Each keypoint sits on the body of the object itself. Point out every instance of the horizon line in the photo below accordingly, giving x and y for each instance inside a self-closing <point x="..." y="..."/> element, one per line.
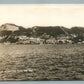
<point x="41" y="26"/>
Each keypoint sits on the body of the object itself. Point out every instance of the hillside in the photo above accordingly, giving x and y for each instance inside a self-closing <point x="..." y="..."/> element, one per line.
<point x="9" y="31"/>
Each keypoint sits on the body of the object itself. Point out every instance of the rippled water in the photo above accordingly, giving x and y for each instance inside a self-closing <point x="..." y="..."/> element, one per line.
<point x="41" y="62"/>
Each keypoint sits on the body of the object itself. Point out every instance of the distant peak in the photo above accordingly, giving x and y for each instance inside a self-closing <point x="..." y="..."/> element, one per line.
<point x="9" y="26"/>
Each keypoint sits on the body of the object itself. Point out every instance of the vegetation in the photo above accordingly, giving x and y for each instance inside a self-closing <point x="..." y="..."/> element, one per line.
<point x="41" y="32"/>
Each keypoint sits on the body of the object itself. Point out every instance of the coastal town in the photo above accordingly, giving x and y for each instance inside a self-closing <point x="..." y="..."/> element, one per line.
<point x="11" y="33"/>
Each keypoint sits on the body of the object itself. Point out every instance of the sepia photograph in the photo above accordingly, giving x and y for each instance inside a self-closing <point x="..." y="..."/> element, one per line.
<point x="41" y="42"/>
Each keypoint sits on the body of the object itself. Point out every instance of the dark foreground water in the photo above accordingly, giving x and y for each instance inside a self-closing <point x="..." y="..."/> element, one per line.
<point x="42" y="62"/>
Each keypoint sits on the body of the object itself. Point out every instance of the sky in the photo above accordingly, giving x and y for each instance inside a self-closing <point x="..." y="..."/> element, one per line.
<point x="28" y="15"/>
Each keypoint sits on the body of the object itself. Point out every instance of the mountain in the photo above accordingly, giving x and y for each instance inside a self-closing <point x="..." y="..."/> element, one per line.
<point x="77" y="30"/>
<point x="38" y="31"/>
<point x="8" y="32"/>
<point x="51" y="30"/>
<point x="9" y="27"/>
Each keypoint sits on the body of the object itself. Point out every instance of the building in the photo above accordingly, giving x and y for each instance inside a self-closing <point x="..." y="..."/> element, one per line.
<point x="63" y="39"/>
<point x="51" y="41"/>
<point x="23" y="37"/>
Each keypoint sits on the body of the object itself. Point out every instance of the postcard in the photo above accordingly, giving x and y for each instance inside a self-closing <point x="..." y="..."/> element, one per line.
<point x="41" y="42"/>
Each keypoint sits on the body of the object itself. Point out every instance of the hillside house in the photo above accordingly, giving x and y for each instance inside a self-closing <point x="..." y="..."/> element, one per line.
<point x="35" y="40"/>
<point x="83" y="42"/>
<point x="73" y="35"/>
<point x="23" y="37"/>
<point x="63" y="39"/>
<point x="51" y="41"/>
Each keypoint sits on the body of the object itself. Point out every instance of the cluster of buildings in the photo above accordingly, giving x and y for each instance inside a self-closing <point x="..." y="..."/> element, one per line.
<point x="31" y="40"/>
<point x="60" y="39"/>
